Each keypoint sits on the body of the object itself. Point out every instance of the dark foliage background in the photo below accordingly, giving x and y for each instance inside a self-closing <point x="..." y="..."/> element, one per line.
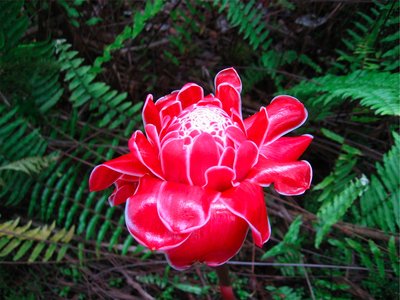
<point x="73" y="77"/>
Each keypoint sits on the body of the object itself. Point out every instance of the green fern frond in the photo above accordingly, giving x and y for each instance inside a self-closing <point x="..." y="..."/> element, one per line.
<point x="157" y="280"/>
<point x="394" y="256"/>
<point x="249" y="19"/>
<point x="272" y="60"/>
<point x="380" y="203"/>
<point x="74" y="17"/>
<point x="288" y="250"/>
<point x="61" y="193"/>
<point x="30" y="165"/>
<point x="31" y="77"/>
<point x="290" y="242"/>
<point x="169" y="285"/>
<point x="364" y="47"/>
<point x="371" y="257"/>
<point x="17" y="141"/>
<point x="28" y="71"/>
<point x="285" y="292"/>
<point x="185" y="21"/>
<point x="71" y="10"/>
<point x="381" y="259"/>
<point x="375" y="90"/>
<point x="112" y="107"/>
<point x="326" y="289"/>
<point x="46" y="88"/>
<point x="343" y="171"/>
<point x="33" y="243"/>
<point x="151" y="9"/>
<point x="390" y="39"/>
<point x="13" y="25"/>
<point x="332" y="211"/>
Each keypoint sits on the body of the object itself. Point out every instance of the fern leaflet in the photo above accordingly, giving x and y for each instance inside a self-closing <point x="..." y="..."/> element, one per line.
<point x="380" y="203"/>
<point x="111" y="106"/>
<point x="30" y="165"/>
<point x="33" y="243"/>
<point x="129" y="32"/>
<point x="375" y="90"/>
<point x="331" y="212"/>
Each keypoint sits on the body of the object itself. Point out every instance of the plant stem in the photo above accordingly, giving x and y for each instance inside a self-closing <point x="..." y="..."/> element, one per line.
<point x="225" y="283"/>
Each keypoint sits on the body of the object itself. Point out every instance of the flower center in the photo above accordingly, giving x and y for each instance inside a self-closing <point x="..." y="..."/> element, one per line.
<point x="212" y="120"/>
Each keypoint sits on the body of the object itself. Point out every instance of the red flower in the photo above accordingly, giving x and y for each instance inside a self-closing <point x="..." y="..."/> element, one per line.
<point x="193" y="184"/>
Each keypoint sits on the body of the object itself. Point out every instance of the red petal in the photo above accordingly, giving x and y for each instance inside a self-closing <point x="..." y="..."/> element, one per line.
<point x="286" y="149"/>
<point x="210" y="100"/>
<point x="230" y="98"/>
<point x="166" y="100"/>
<point x="214" y="243"/>
<point x="235" y="134"/>
<point x="285" y="114"/>
<point x="181" y="207"/>
<point x="146" y="152"/>
<point x="128" y="178"/>
<point x="289" y="178"/>
<point x="246" y="158"/>
<point x="171" y="110"/>
<point x="175" y="161"/>
<point x="189" y="94"/>
<point x="238" y="121"/>
<point x="248" y="122"/>
<point x="219" y="178"/>
<point x="107" y="173"/>
<point x="247" y="202"/>
<point x="143" y="222"/>
<point x="204" y="154"/>
<point x="170" y="135"/>
<point x="150" y="113"/>
<point x="228" y="157"/>
<point x="123" y="190"/>
<point x="228" y="76"/>
<point x="152" y="136"/>
<point x="257" y="126"/>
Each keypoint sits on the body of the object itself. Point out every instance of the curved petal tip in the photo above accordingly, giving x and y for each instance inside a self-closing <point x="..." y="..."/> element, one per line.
<point x="230" y="76"/>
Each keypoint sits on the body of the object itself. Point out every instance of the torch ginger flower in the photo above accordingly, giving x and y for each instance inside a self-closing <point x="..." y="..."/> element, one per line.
<point x="193" y="183"/>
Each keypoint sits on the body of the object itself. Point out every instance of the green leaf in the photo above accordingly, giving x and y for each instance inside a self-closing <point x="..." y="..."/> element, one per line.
<point x="93" y="21"/>
<point x="331" y="212"/>
<point x="193" y="289"/>
<point x="290" y="242"/>
<point x="394" y="256"/>
<point x="378" y="257"/>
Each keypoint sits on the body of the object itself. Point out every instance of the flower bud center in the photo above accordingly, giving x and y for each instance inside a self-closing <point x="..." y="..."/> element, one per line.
<point x="212" y="120"/>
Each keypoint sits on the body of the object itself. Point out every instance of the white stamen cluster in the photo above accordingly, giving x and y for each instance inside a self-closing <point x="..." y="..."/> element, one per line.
<point x="212" y="120"/>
